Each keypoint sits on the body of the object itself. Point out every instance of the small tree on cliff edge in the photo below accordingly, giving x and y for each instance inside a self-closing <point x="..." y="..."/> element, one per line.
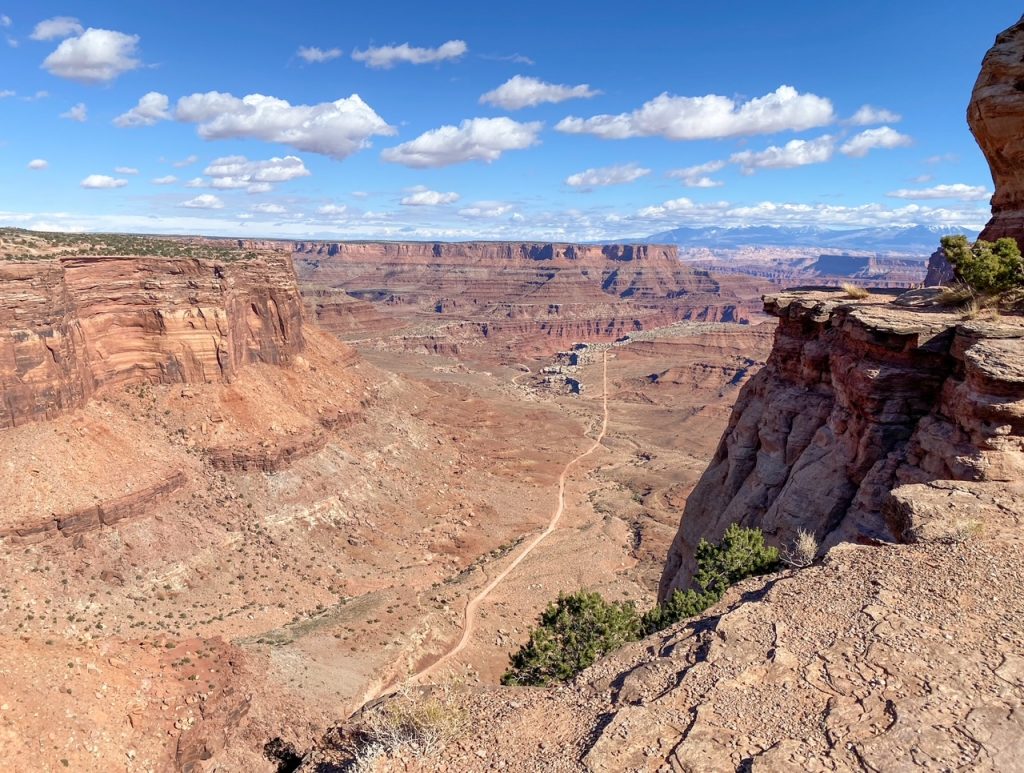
<point x="985" y="267"/>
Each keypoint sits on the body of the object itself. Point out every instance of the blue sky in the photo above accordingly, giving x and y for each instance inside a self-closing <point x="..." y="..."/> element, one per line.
<point x="569" y="120"/>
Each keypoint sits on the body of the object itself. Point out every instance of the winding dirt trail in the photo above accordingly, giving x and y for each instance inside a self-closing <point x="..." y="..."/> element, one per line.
<point x="469" y="614"/>
<point x="474" y="603"/>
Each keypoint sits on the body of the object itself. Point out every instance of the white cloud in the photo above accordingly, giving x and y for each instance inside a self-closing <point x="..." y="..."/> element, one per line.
<point x="37" y="96"/>
<point x="58" y="27"/>
<point x="486" y="210"/>
<point x="332" y="210"/>
<point x="709" y="117"/>
<point x="187" y="161"/>
<point x="475" y="139"/>
<point x="385" y="57"/>
<point x="125" y="170"/>
<point x="78" y="113"/>
<point x="859" y="145"/>
<point x="607" y="175"/>
<point x="234" y="172"/>
<point x="38" y="163"/>
<point x="203" y="201"/>
<point x="944" y="158"/>
<point x="269" y="209"/>
<point x="4" y="93"/>
<point x="94" y="56"/>
<point x="314" y="55"/>
<point x="166" y="180"/>
<point x="336" y="129"/>
<point x="100" y="181"/>
<point x="922" y="178"/>
<point x="196" y="182"/>
<point x="868" y="115"/>
<point x="421" y="196"/>
<point x="959" y="191"/>
<point x="697" y="176"/>
<point x="5" y="21"/>
<point x="793" y="154"/>
<point x="519" y="92"/>
<point x="667" y="208"/>
<point x="152" y="108"/>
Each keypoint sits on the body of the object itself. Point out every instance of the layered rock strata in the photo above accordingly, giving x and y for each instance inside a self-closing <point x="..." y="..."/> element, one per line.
<point x="512" y="292"/>
<point x="856" y="399"/>
<point x="71" y="326"/>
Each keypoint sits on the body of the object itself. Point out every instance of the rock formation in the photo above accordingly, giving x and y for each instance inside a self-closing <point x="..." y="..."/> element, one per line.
<point x="70" y="326"/>
<point x="996" y="117"/>
<point x="533" y="294"/>
<point x="857" y="398"/>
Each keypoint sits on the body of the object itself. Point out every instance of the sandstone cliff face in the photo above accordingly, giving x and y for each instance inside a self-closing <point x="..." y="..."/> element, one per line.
<point x="72" y="326"/>
<point x="507" y="292"/>
<point x="996" y="118"/>
<point x="858" y="398"/>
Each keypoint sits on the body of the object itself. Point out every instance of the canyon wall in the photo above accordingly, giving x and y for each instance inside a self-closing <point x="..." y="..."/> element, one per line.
<point x="531" y="293"/>
<point x="73" y="325"/>
<point x="856" y="399"/>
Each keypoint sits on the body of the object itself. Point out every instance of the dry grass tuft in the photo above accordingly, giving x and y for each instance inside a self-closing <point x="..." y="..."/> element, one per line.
<point x="803" y="551"/>
<point x="412" y="724"/>
<point x="856" y="292"/>
<point x="954" y="294"/>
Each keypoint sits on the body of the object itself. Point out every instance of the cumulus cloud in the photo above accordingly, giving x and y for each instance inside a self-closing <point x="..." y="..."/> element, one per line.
<point x="196" y="182"/>
<point x="709" y="117"/>
<point x="187" y="161"/>
<point x="336" y="129"/>
<point x="5" y="21"/>
<point x="520" y="91"/>
<point x="794" y="153"/>
<point x="607" y="175"/>
<point x="125" y="170"/>
<point x="332" y="210"/>
<point x="78" y="113"/>
<point x="152" y="107"/>
<point x="100" y="181"/>
<point x="385" y="57"/>
<point x="697" y="176"/>
<point x="165" y="180"/>
<point x="38" y="163"/>
<point x="94" y="56"/>
<point x="486" y="210"/>
<point x="269" y="209"/>
<point x="421" y="196"/>
<point x="203" y="201"/>
<point x="667" y="208"/>
<point x="868" y="115"/>
<point x="231" y="172"/>
<point x="4" y="93"/>
<point x="314" y="55"/>
<point x="959" y="191"/>
<point x="884" y="137"/>
<point x="475" y="139"/>
<point x="58" y="27"/>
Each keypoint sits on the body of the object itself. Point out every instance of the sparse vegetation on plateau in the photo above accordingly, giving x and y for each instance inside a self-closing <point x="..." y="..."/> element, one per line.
<point x="579" y="628"/>
<point x="20" y="245"/>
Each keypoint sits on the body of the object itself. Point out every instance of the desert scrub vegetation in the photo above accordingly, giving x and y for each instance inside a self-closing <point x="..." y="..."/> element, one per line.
<point x="855" y="292"/>
<point x="409" y="722"/>
<point x="987" y="268"/>
<point x="577" y="629"/>
<point x="21" y="245"/>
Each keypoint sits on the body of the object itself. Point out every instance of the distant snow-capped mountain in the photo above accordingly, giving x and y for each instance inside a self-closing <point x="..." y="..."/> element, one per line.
<point x="921" y="239"/>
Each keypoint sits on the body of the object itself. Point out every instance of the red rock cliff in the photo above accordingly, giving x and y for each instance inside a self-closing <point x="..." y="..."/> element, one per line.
<point x="71" y="326"/>
<point x="856" y="399"/>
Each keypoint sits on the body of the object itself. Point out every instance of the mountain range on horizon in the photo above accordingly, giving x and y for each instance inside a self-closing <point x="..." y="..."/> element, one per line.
<point x="918" y="239"/>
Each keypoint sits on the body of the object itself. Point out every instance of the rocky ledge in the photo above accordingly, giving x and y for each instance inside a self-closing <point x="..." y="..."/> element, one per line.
<point x="857" y="398"/>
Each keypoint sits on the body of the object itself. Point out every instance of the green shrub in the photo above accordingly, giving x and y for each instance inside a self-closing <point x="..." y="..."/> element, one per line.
<point x="985" y="267"/>
<point x="574" y="631"/>
<point x="580" y="628"/>
<point x="741" y="553"/>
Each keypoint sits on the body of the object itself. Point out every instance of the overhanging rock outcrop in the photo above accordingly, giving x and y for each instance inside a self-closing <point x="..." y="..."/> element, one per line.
<point x="856" y="399"/>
